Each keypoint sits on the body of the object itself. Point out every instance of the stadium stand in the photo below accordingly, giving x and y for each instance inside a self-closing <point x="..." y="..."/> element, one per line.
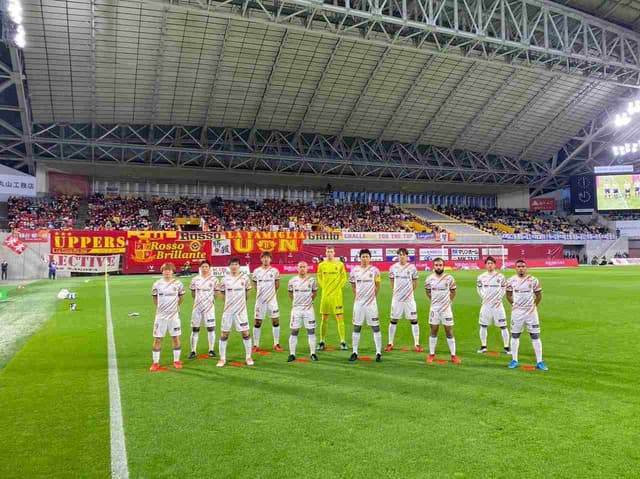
<point x="59" y="212"/>
<point x="498" y="221"/>
<point x="118" y="213"/>
<point x="168" y="209"/>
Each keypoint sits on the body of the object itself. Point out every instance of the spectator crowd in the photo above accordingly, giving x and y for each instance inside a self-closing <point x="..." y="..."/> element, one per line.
<point x="521" y="221"/>
<point x="118" y="213"/>
<point x="58" y="212"/>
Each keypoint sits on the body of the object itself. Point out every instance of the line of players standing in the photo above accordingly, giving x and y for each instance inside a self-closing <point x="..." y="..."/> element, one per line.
<point x="523" y="292"/>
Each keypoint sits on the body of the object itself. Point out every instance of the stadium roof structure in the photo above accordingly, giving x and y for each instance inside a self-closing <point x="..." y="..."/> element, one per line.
<point x="473" y="91"/>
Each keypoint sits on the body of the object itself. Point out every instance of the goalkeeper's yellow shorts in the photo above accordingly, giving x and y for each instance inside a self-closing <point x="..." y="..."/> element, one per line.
<point x="331" y="304"/>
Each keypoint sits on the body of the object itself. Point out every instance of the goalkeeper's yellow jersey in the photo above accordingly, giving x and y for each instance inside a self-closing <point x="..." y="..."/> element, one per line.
<point x="332" y="277"/>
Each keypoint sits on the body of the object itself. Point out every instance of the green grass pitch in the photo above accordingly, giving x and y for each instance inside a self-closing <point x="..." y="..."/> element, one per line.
<point x="401" y="418"/>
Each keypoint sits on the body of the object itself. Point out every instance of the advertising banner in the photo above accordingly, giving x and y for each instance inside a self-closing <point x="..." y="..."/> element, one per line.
<point x="542" y="204"/>
<point x="376" y="254"/>
<point x="82" y="242"/>
<point x="381" y="236"/>
<point x="429" y="254"/>
<point x="33" y="236"/>
<point x="629" y="228"/>
<point x="17" y="185"/>
<point x="15" y="244"/>
<point x="148" y="250"/>
<point x="391" y="254"/>
<point x="86" y="264"/>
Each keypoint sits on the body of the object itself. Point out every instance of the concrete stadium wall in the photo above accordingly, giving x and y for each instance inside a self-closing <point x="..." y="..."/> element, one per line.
<point x="32" y="264"/>
<point x="514" y="199"/>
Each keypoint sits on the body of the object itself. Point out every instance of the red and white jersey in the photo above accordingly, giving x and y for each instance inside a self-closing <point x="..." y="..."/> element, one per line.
<point x="168" y="294"/>
<point x="204" y="288"/>
<point x="265" y="279"/>
<point x="403" y="277"/>
<point x="524" y="294"/>
<point x="365" y="280"/>
<point x="303" y="289"/>
<point x="491" y="288"/>
<point x="235" y="293"/>
<point x="440" y="287"/>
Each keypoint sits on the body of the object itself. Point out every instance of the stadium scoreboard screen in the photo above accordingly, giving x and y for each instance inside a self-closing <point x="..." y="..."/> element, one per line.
<point x="618" y="192"/>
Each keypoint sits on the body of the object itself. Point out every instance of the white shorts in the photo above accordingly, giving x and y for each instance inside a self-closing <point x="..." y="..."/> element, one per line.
<point x="207" y="317"/>
<point x="161" y="326"/>
<point x="404" y="309"/>
<point x="366" y="312"/>
<point x="301" y="316"/>
<point x="239" y="320"/>
<point x="530" y="320"/>
<point x="490" y="315"/>
<point x="441" y="317"/>
<point x="264" y="308"/>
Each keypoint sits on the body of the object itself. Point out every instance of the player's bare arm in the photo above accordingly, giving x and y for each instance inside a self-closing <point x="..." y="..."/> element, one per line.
<point x="538" y="297"/>
<point x="452" y="294"/>
<point x="277" y="284"/>
<point x="510" y="297"/>
<point x="414" y="284"/>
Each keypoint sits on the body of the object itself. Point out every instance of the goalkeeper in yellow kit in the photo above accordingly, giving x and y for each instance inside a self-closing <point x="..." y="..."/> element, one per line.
<point x="331" y="277"/>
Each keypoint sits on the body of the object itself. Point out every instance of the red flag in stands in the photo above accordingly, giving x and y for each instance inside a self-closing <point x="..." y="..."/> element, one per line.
<point x="15" y="244"/>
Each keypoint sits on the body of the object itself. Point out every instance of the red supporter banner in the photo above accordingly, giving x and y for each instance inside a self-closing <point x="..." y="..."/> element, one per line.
<point x="33" y="236"/>
<point x="248" y="242"/>
<point x="62" y="184"/>
<point x="542" y="204"/>
<point x="148" y="250"/>
<point x="88" y="242"/>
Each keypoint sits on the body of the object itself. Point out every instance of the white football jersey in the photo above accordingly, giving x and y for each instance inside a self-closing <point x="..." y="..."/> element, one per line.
<point x="440" y="287"/>
<point x="265" y="279"/>
<point x="235" y="293"/>
<point x="168" y="294"/>
<point x="303" y="289"/>
<point x="365" y="280"/>
<point x="403" y="277"/>
<point x="204" y="289"/>
<point x="524" y="294"/>
<point x="491" y="288"/>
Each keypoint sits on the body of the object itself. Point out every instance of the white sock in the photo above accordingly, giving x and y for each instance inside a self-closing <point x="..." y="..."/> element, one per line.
<point x="355" y="340"/>
<point x="537" y="348"/>
<point x="392" y="332"/>
<point x="377" y="339"/>
<point x="312" y="343"/>
<point x="276" y="335"/>
<point x="452" y="345"/>
<point x="211" y="336"/>
<point x="256" y="336"/>
<point x="433" y="340"/>
<point x="222" y="346"/>
<point x="415" y="330"/>
<point x="505" y="337"/>
<point x="156" y="356"/>
<point x="483" y="336"/>
<point x="293" y="342"/>
<point x="515" y="345"/>
<point x="194" y="340"/>
<point x="176" y="354"/>
<point x="247" y="346"/>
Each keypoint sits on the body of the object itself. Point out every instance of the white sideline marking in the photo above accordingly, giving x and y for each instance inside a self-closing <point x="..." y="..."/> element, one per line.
<point x="119" y="468"/>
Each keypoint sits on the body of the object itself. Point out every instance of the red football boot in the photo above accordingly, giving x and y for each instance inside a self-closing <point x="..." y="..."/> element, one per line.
<point x="389" y="347"/>
<point x="431" y="358"/>
<point x="278" y="348"/>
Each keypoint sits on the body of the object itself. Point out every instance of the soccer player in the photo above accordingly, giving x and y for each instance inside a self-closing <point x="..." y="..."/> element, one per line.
<point x="607" y="189"/>
<point x="303" y="290"/>
<point x="491" y="288"/>
<point x="168" y="294"/>
<point x="404" y="279"/>
<point x="235" y="287"/>
<point x="616" y="191"/>
<point x="267" y="280"/>
<point x="524" y="293"/>
<point x="636" y="187"/>
<point x="365" y="282"/>
<point x="441" y="289"/>
<point x="203" y="291"/>
<point x="331" y="277"/>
